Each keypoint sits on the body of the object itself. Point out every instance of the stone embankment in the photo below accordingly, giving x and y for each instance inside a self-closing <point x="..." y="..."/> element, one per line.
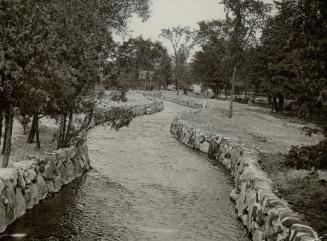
<point x="262" y="212"/>
<point x="26" y="183"/>
<point x="177" y="99"/>
<point x="153" y="105"/>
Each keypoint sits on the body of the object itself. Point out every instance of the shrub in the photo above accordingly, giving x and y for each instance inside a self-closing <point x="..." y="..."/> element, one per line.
<point x="308" y="157"/>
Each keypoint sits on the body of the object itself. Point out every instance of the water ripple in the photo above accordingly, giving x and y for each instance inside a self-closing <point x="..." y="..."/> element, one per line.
<point x="145" y="185"/>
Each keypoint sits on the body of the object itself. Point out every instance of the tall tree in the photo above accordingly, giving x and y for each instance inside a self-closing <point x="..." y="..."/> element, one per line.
<point x="137" y="56"/>
<point x="294" y="43"/>
<point x="58" y="49"/>
<point x="210" y="64"/>
<point x="182" y="40"/>
<point x="246" y="18"/>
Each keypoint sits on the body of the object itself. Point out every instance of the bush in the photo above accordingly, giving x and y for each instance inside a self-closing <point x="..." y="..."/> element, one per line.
<point x="308" y="157"/>
<point x="119" y="95"/>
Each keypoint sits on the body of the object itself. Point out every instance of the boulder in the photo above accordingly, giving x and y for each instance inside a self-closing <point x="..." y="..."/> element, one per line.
<point x="31" y="196"/>
<point x="57" y="183"/>
<point x="3" y="222"/>
<point x="10" y="203"/>
<point x="21" y="181"/>
<point x="233" y="195"/>
<point x="78" y="166"/>
<point x="2" y="185"/>
<point x="204" y="147"/>
<point x="42" y="188"/>
<point x="20" y="203"/>
<point x="49" y="169"/>
<point x="63" y="172"/>
<point x="50" y="187"/>
<point x="70" y="171"/>
<point x="30" y="176"/>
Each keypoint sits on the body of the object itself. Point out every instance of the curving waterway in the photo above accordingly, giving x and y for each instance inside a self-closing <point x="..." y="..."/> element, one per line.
<point x="144" y="185"/>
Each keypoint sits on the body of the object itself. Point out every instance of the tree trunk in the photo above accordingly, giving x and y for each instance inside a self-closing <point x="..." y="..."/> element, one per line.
<point x="177" y="86"/>
<point x="232" y="93"/>
<point x="217" y="88"/>
<point x="4" y="138"/>
<point x="38" y="144"/>
<point x="1" y="119"/>
<point x="24" y="124"/>
<point x="89" y="119"/>
<point x="281" y="101"/>
<point x="31" y="135"/>
<point x="159" y="84"/>
<point x="269" y="99"/>
<point x="274" y="104"/>
<point x="62" y="134"/>
<point x="8" y="134"/>
<point x="68" y="132"/>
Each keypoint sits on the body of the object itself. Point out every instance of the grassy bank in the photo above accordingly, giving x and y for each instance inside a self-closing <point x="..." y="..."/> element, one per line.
<point x="21" y="150"/>
<point x="271" y="137"/>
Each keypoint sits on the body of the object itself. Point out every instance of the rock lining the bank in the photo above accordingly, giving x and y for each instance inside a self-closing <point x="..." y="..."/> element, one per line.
<point x="265" y="215"/>
<point x="177" y="99"/>
<point x="26" y="183"/>
<point x="154" y="105"/>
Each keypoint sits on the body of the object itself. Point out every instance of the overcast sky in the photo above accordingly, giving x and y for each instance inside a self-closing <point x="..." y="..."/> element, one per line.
<point x="170" y="13"/>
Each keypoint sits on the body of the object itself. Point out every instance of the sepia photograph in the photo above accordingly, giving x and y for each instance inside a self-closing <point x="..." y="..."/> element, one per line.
<point x="163" y="120"/>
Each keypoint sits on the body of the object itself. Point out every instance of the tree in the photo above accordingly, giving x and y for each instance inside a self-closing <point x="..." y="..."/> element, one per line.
<point x="294" y="43"/>
<point x="163" y="72"/>
<point x="137" y="56"/>
<point x="182" y="40"/>
<point x="57" y="49"/>
<point x="211" y="62"/>
<point x="245" y="18"/>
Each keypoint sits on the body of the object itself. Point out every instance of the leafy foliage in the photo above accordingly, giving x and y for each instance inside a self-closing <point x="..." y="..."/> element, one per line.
<point x="308" y="157"/>
<point x="294" y="42"/>
<point x="118" y="117"/>
<point x="137" y="56"/>
<point x="119" y="95"/>
<point x="182" y="40"/>
<point x="52" y="53"/>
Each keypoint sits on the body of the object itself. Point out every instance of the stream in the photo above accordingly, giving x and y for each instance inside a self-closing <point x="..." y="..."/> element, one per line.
<point x="144" y="185"/>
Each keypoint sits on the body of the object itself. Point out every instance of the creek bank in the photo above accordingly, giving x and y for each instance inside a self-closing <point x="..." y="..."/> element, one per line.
<point x="177" y="99"/>
<point x="152" y="106"/>
<point x="24" y="184"/>
<point x="265" y="215"/>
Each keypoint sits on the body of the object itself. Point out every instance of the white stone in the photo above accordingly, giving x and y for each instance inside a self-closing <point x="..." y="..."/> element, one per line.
<point x="233" y="195"/>
<point x="30" y="176"/>
<point x="20" y="203"/>
<point x="57" y="183"/>
<point x="204" y="147"/>
<point x="41" y="187"/>
<point x="50" y="187"/>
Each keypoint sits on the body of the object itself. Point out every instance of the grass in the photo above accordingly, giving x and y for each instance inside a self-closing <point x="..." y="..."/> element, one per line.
<point x="307" y="195"/>
<point x="48" y="127"/>
<point x="272" y="136"/>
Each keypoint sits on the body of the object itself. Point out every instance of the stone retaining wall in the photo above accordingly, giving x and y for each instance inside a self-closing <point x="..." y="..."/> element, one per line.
<point x="26" y="183"/>
<point x="265" y="215"/>
<point x="153" y="106"/>
<point x="178" y="99"/>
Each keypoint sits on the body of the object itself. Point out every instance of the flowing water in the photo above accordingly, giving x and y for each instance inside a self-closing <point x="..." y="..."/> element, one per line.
<point x="144" y="185"/>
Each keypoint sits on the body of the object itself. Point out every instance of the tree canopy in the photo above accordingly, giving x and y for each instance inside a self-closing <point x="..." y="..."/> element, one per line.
<point x="52" y="53"/>
<point x="281" y="54"/>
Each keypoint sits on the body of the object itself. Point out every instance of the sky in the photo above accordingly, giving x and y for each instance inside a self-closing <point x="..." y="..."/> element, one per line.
<point x="171" y="13"/>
